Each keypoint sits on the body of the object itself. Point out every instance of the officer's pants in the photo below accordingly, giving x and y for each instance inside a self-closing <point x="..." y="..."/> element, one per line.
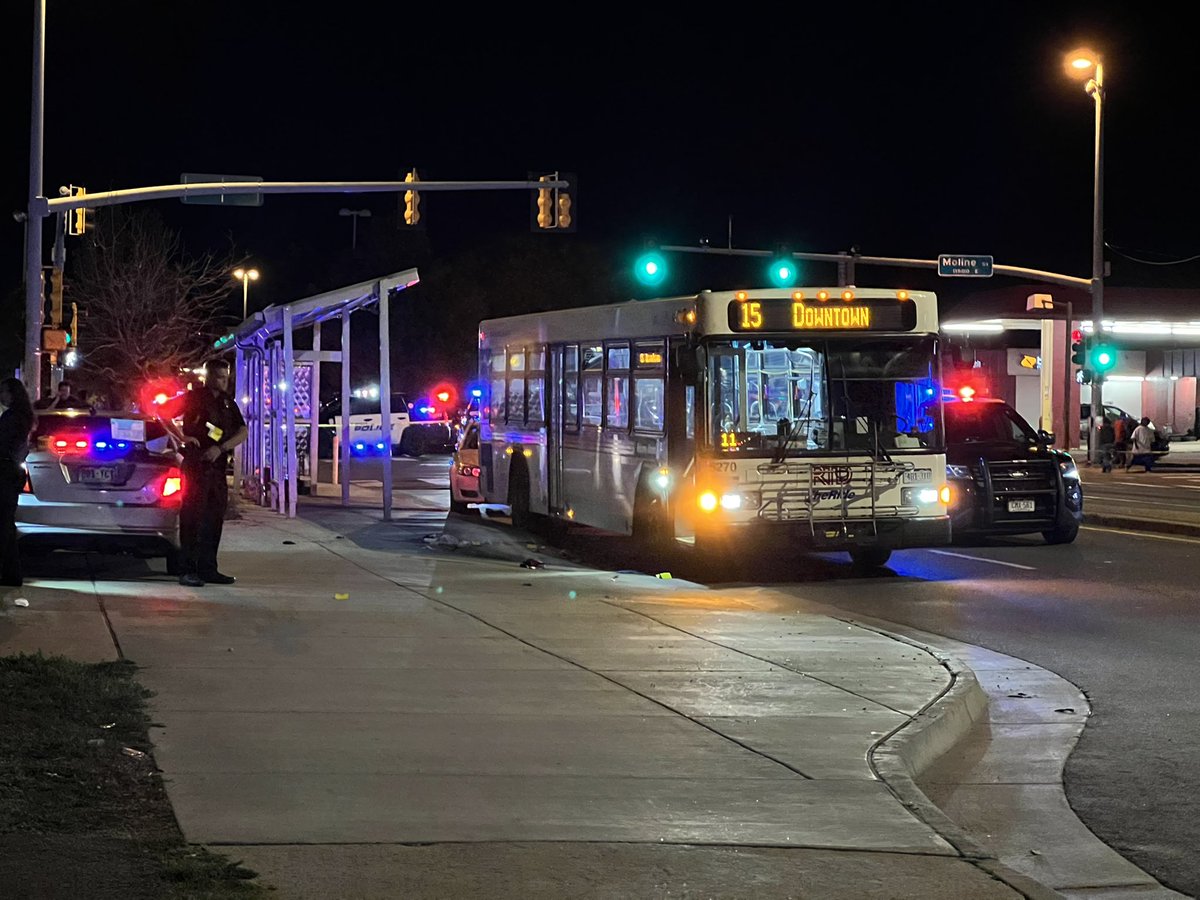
<point x="202" y="516"/>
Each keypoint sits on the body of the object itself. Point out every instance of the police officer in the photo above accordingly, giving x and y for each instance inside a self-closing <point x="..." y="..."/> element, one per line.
<point x="212" y="427"/>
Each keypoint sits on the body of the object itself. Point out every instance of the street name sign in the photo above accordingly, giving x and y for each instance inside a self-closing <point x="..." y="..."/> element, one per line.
<point x="962" y="265"/>
<point x="221" y="199"/>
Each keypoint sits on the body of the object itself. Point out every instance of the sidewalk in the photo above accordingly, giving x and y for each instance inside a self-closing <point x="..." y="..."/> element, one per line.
<point x="1112" y="500"/>
<point x="365" y="716"/>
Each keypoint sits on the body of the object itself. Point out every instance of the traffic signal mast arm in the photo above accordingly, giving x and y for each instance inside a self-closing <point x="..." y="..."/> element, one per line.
<point x="166" y="191"/>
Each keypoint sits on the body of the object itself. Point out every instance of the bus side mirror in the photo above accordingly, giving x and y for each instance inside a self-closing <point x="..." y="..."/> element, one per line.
<point x="687" y="359"/>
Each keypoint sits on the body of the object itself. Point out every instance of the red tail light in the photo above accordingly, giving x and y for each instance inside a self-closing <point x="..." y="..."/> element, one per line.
<point x="172" y="486"/>
<point x="69" y="443"/>
<point x="27" y="488"/>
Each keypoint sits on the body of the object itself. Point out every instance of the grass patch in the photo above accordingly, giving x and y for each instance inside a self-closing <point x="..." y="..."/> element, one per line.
<point x="83" y="810"/>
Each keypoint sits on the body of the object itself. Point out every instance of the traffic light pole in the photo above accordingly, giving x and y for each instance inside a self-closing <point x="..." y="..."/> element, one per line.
<point x="31" y="367"/>
<point x="1097" y="284"/>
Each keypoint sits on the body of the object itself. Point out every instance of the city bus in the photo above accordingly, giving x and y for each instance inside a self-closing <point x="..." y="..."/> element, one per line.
<point x="809" y="418"/>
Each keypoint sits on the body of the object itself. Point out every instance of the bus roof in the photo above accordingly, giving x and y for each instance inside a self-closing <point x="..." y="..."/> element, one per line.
<point x="666" y="316"/>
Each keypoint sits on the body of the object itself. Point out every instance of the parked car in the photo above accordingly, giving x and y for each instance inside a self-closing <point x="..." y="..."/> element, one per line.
<point x="1007" y="478"/>
<point x="104" y="481"/>
<point x="464" y="470"/>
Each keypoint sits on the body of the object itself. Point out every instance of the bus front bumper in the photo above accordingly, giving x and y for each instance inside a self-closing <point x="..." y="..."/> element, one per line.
<point x="838" y="534"/>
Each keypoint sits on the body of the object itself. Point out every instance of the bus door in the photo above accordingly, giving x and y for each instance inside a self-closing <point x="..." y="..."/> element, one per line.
<point x="682" y="384"/>
<point x="554" y="433"/>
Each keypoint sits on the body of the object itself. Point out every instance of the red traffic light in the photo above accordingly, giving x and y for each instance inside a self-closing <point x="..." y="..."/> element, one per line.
<point x="1076" y="335"/>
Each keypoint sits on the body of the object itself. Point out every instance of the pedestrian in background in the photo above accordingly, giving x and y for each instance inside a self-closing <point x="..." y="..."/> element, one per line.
<point x="16" y="424"/>
<point x="1142" y="446"/>
<point x="1120" y="440"/>
<point x="1107" y="442"/>
<point x="62" y="399"/>
<point x="212" y="427"/>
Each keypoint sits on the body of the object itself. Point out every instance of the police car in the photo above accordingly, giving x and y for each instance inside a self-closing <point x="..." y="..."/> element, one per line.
<point x="366" y="427"/>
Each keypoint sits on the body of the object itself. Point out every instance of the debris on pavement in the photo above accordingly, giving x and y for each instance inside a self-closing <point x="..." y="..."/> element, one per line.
<point x="663" y="575"/>
<point x="341" y="596"/>
<point x="20" y="601"/>
<point x="135" y="754"/>
<point x="532" y="563"/>
<point x="1066" y="709"/>
<point x="289" y="542"/>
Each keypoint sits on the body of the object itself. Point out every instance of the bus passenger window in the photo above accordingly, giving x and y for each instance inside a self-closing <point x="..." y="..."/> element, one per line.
<point x="592" y="400"/>
<point x="536" y="408"/>
<point x="516" y="400"/>
<point x="498" y="401"/>
<point x="618" y="401"/>
<point x="571" y="387"/>
<point x="648" y="404"/>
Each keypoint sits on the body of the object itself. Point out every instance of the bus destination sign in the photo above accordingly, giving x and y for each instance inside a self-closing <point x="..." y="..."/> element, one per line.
<point x="777" y="314"/>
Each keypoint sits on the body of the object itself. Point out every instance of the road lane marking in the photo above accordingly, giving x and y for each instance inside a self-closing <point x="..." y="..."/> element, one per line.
<point x="1145" y="534"/>
<point x="996" y="562"/>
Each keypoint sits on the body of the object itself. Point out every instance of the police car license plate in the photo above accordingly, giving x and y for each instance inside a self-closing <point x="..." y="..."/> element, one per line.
<point x="97" y="474"/>
<point x="1020" y="506"/>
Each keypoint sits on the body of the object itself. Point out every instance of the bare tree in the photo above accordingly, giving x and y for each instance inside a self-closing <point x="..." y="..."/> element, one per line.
<point x="148" y="309"/>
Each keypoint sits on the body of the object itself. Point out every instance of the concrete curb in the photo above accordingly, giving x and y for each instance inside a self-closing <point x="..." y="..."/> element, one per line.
<point x="1133" y="523"/>
<point x="899" y="759"/>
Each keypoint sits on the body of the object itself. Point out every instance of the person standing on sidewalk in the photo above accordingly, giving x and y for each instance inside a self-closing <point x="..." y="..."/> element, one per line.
<point x="1107" y="441"/>
<point x="1142" y="446"/>
<point x="16" y="424"/>
<point x="212" y="427"/>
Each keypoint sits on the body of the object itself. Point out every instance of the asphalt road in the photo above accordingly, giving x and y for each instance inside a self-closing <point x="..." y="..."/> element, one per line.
<point x="1116" y="613"/>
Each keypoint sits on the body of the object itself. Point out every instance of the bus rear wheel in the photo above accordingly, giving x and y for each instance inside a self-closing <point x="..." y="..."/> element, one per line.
<point x="870" y="557"/>
<point x="518" y="497"/>
<point x="651" y="523"/>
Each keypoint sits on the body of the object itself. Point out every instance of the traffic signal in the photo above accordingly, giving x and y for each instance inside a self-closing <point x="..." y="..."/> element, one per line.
<point x="650" y="268"/>
<point x="1078" y="348"/>
<point x="77" y="219"/>
<point x="565" y="218"/>
<point x="545" y="205"/>
<point x="1102" y="358"/>
<point x="412" y="201"/>
<point x="1085" y="376"/>
<point x="783" y="270"/>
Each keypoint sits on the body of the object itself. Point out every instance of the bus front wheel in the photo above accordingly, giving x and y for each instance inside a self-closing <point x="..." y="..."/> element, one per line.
<point x="870" y="557"/>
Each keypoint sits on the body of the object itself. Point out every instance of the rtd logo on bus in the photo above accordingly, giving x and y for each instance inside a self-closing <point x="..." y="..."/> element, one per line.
<point x="824" y="311"/>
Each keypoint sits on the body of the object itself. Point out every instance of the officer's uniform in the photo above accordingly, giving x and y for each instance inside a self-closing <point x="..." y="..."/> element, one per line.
<point x="210" y="418"/>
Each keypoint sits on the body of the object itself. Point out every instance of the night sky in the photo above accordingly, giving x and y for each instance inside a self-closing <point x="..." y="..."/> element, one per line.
<point x="902" y="129"/>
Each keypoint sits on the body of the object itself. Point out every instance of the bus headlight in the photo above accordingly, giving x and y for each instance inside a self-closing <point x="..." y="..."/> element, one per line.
<point x="926" y="496"/>
<point x="663" y="479"/>
<point x="731" y="501"/>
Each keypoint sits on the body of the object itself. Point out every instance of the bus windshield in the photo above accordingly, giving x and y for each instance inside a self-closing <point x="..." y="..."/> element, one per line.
<point x="792" y="398"/>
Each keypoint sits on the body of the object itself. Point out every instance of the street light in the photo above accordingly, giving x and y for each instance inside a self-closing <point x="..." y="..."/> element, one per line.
<point x="357" y="214"/>
<point x="245" y="276"/>
<point x="1079" y="64"/>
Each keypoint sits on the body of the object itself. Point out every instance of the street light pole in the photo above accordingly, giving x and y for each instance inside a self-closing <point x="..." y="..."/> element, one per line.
<point x="1081" y="62"/>
<point x="246" y="276"/>
<point x="1096" y="89"/>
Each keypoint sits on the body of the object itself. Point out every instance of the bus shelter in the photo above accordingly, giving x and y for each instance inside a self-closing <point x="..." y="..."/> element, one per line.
<point x="280" y="390"/>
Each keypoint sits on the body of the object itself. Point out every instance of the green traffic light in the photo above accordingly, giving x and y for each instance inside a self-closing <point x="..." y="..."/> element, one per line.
<point x="650" y="269"/>
<point x="1104" y="358"/>
<point x="782" y="273"/>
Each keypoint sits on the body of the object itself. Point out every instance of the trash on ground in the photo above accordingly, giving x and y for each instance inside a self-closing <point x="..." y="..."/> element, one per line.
<point x="663" y="575"/>
<point x="20" y="601"/>
<point x="289" y="542"/>
<point x="96" y="742"/>
<point x="135" y="754"/>
<point x="1066" y="709"/>
<point x="341" y="596"/>
<point x="109" y="725"/>
<point x="532" y="563"/>
<point x="1020" y="695"/>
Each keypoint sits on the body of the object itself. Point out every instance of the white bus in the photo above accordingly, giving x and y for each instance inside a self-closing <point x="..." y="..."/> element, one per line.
<point x="726" y="419"/>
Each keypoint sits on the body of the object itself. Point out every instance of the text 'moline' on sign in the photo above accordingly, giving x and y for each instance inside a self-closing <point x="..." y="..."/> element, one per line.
<point x="963" y="265"/>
